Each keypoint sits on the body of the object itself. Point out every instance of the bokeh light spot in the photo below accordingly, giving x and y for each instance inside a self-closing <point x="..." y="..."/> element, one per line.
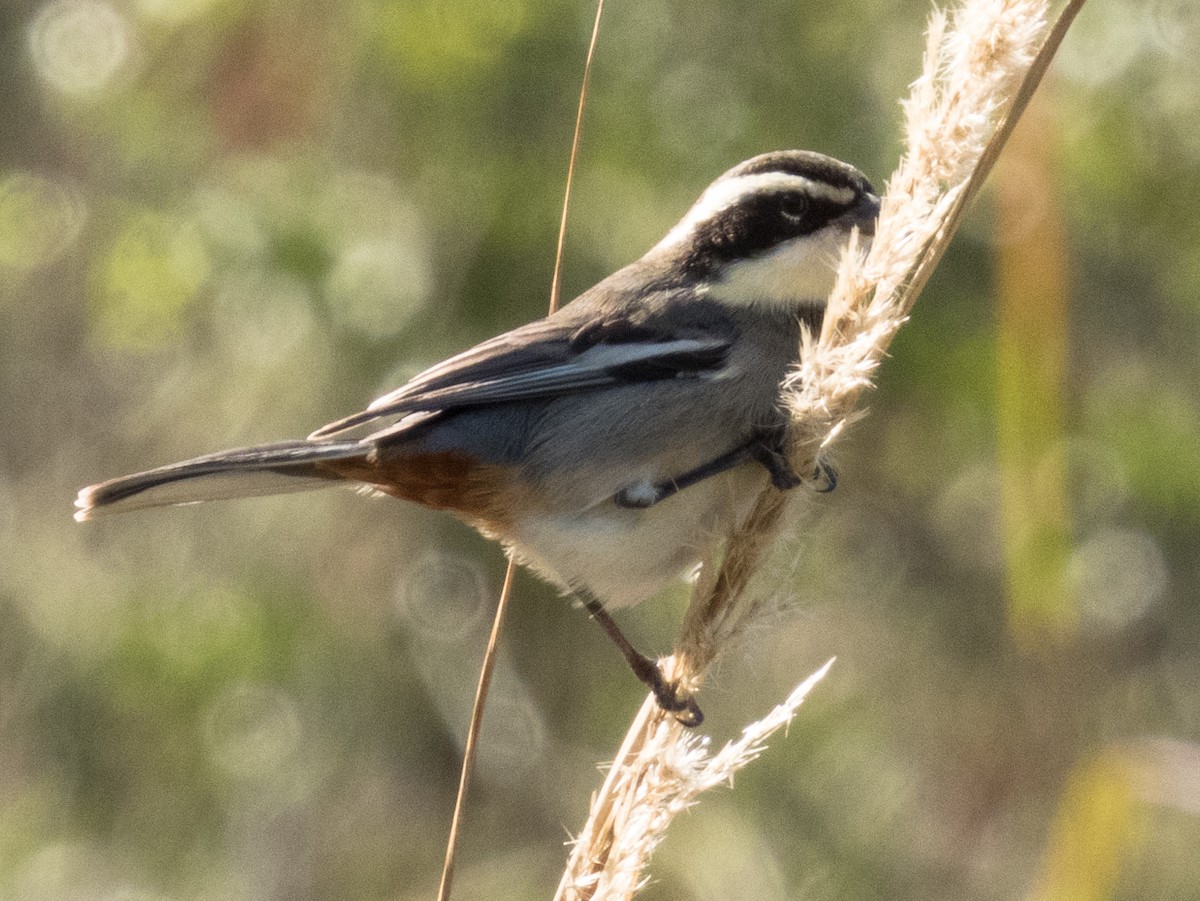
<point x="374" y="288"/>
<point x="263" y="320"/>
<point x="516" y="736"/>
<point x="967" y="517"/>
<point x="230" y="224"/>
<point x="78" y="46"/>
<point x="1098" y="483"/>
<point x="252" y="730"/>
<point x="62" y="871"/>
<point x="359" y="205"/>
<point x="442" y="596"/>
<point x="153" y="270"/>
<point x="39" y="219"/>
<point x="1103" y="44"/>
<point x="1175" y="25"/>
<point x="381" y="273"/>
<point x="1117" y="575"/>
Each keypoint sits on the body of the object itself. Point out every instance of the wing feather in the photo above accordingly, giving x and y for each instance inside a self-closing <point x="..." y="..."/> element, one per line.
<point x="546" y="359"/>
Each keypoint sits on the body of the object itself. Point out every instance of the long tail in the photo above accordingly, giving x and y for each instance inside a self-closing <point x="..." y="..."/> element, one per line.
<point x="246" y="472"/>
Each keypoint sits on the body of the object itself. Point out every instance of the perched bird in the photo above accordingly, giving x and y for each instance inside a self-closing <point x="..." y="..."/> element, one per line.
<point x="612" y="444"/>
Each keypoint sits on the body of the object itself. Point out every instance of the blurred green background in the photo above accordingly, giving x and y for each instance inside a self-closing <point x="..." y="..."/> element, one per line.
<point x="230" y="221"/>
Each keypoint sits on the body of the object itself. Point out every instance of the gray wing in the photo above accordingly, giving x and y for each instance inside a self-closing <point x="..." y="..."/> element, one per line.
<point x="554" y="356"/>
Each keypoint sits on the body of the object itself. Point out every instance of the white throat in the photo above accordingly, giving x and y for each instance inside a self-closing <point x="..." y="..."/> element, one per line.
<point x="797" y="272"/>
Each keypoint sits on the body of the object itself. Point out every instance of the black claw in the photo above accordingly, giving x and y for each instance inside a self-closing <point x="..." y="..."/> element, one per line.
<point x="668" y="696"/>
<point x="691" y="716"/>
<point x="685" y="708"/>
<point x="771" y="451"/>
<point x="825" y="479"/>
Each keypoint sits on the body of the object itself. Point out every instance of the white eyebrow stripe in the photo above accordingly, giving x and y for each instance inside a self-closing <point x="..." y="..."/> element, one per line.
<point x="725" y="193"/>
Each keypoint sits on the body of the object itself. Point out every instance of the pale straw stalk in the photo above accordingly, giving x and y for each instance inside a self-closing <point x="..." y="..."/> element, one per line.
<point x="981" y="65"/>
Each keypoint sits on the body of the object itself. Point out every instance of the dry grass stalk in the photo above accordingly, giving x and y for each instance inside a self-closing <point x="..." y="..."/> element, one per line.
<point x="673" y="769"/>
<point x="973" y="69"/>
<point x="981" y="66"/>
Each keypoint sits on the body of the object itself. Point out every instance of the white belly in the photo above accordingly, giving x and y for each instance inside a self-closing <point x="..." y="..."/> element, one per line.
<point x="625" y="556"/>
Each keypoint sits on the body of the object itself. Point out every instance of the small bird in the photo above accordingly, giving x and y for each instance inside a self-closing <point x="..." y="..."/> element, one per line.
<point x="611" y="445"/>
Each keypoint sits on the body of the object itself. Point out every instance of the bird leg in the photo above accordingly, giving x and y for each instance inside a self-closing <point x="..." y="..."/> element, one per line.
<point x="768" y="447"/>
<point x="639" y="497"/>
<point x="685" y="708"/>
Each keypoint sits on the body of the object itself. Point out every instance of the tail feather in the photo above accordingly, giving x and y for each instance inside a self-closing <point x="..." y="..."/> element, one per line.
<point x="246" y="472"/>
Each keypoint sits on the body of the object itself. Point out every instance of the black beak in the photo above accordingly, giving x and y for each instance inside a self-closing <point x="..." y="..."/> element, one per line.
<point x="863" y="215"/>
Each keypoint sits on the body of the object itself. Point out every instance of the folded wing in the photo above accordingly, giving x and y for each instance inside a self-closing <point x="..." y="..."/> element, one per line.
<point x="547" y="359"/>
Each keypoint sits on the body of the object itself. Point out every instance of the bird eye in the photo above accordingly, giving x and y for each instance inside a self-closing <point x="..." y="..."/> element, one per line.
<point x="793" y="207"/>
